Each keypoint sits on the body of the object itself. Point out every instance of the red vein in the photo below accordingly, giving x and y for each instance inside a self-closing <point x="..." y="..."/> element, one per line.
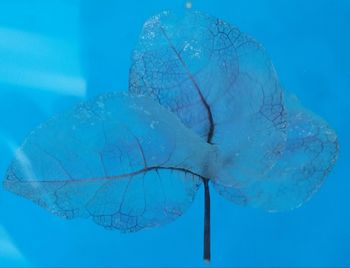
<point x="106" y="178"/>
<point x="196" y="86"/>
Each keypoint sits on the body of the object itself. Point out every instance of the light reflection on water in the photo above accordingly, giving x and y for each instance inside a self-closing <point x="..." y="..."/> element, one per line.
<point x="9" y="253"/>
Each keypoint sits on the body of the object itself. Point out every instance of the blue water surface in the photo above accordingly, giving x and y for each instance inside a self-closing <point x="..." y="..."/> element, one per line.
<point x="54" y="54"/>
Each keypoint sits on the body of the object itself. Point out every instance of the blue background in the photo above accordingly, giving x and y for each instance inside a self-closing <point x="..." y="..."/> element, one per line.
<point x="56" y="53"/>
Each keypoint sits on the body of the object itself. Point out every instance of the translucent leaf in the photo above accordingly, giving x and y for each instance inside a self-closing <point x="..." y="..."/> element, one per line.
<point x="126" y="162"/>
<point x="309" y="155"/>
<point x="219" y="82"/>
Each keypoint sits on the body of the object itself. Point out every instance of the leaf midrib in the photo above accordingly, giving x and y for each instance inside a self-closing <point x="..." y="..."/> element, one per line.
<point x="106" y="178"/>
<point x="210" y="133"/>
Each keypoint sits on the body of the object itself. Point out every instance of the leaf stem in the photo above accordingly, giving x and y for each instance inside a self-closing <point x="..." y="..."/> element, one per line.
<point x="206" y="249"/>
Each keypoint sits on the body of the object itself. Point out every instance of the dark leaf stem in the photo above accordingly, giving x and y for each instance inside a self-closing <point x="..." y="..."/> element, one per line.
<point x="206" y="253"/>
<point x="206" y="249"/>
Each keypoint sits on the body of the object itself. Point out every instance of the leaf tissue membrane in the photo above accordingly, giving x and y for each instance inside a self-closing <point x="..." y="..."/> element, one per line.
<point x="204" y="105"/>
<point x="124" y="161"/>
<point x="221" y="84"/>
